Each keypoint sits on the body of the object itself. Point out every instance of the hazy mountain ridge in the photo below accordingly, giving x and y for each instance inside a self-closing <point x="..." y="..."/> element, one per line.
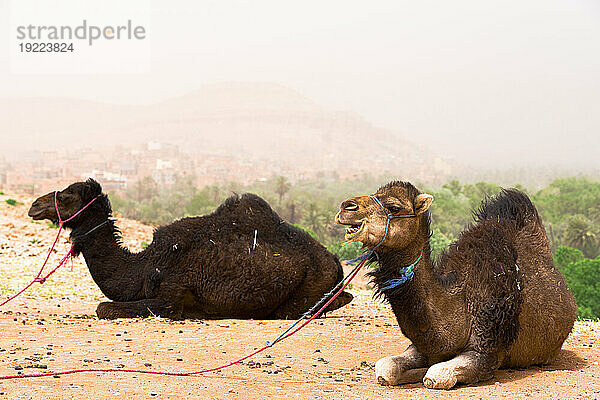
<point x="247" y="120"/>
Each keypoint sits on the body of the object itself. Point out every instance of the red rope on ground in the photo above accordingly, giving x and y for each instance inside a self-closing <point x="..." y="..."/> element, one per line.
<point x="191" y="373"/>
<point x="141" y="371"/>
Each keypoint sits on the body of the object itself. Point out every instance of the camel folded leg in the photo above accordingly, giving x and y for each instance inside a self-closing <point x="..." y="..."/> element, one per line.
<point x="408" y="367"/>
<point x="141" y="308"/>
<point x="468" y="367"/>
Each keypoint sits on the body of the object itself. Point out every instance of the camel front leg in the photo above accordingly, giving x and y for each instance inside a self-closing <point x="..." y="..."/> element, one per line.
<point x="468" y="367"/>
<point x="408" y="367"/>
<point x="139" y="309"/>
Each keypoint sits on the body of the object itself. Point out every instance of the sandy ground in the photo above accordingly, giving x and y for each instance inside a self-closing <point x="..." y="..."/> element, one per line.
<point x="53" y="327"/>
<point x="331" y="358"/>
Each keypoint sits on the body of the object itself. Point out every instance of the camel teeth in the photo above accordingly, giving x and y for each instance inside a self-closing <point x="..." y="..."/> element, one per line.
<point x="352" y="230"/>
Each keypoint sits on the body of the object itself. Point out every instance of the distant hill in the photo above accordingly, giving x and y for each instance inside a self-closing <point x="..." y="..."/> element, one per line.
<point x="246" y="120"/>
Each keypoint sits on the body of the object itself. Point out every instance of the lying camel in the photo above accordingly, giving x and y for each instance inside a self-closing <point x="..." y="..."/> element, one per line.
<point x="241" y="261"/>
<point x="493" y="300"/>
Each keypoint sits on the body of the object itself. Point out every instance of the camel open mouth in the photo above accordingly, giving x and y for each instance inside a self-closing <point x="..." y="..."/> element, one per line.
<point x="353" y="230"/>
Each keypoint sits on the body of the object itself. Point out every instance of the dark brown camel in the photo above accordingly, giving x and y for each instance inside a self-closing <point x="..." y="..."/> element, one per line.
<point x="494" y="299"/>
<point x="241" y="261"/>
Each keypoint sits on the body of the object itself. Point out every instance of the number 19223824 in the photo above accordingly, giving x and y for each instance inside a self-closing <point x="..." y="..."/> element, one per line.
<point x="46" y="47"/>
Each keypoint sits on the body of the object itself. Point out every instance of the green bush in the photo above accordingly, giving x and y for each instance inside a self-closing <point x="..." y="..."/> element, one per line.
<point x="203" y="202"/>
<point x="309" y="231"/>
<point x="438" y="243"/>
<point x="583" y="278"/>
<point x="346" y="252"/>
<point x="12" y="202"/>
<point x="566" y="255"/>
<point x="52" y="225"/>
<point x="568" y="196"/>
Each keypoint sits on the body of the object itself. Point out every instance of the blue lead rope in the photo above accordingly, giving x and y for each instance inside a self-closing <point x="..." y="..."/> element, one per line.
<point x="360" y="258"/>
<point x="407" y="272"/>
<point x="315" y="307"/>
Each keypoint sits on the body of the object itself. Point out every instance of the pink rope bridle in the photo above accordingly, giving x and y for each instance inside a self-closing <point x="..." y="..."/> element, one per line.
<point x="38" y="277"/>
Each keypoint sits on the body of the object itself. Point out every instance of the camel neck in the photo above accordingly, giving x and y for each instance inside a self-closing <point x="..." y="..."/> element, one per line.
<point x="393" y="263"/>
<point x="392" y="259"/>
<point x="411" y="301"/>
<point x="114" y="268"/>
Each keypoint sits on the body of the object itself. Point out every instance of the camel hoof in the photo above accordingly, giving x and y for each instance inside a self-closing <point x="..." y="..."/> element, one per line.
<point x="439" y="378"/>
<point x="385" y="371"/>
<point x="382" y="381"/>
<point x="106" y="310"/>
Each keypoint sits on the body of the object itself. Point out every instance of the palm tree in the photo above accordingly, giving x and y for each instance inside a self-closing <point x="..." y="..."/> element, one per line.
<point x="215" y="191"/>
<point x="314" y="218"/>
<point x="282" y="186"/>
<point x="581" y="234"/>
<point x="454" y="186"/>
<point x="145" y="189"/>
<point x="292" y="211"/>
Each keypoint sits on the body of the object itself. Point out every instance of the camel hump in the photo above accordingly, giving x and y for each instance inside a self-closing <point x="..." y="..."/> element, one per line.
<point x="248" y="207"/>
<point x="509" y="204"/>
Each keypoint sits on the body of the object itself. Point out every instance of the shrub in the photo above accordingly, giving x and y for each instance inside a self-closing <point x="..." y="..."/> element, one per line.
<point x="309" y="231"/>
<point x="346" y="252"/>
<point x="438" y="243"/>
<point x="583" y="278"/>
<point x="565" y="255"/>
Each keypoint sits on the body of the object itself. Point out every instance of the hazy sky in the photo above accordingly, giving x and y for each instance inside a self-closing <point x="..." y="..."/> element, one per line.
<point x="483" y="81"/>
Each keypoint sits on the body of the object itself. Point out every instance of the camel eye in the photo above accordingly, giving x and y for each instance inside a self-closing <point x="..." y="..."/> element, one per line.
<point x="351" y="207"/>
<point x="393" y="209"/>
<point x="64" y="197"/>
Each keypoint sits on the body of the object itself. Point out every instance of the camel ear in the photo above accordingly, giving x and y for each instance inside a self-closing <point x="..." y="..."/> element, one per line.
<point x="91" y="189"/>
<point x="422" y="203"/>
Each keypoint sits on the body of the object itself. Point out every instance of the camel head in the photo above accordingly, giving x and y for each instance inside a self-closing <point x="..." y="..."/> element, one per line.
<point x="365" y="220"/>
<point x="69" y="201"/>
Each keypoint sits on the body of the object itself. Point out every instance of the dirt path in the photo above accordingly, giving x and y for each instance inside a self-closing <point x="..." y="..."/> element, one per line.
<point x="331" y="359"/>
<point x="54" y="328"/>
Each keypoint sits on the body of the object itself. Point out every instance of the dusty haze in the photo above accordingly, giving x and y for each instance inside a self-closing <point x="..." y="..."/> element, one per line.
<point x="490" y="85"/>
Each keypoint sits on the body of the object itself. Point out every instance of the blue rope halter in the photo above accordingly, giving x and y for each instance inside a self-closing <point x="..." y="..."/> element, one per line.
<point x="389" y="217"/>
<point x="406" y="273"/>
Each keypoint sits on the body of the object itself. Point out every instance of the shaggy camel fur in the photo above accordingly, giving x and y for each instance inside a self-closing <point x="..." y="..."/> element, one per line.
<point x="241" y="261"/>
<point x="493" y="299"/>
